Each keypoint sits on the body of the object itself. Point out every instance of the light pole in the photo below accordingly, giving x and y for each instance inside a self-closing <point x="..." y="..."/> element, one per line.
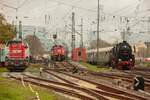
<point x="81" y="45"/>
<point x="16" y="9"/>
<point x="98" y="33"/>
<point x="16" y="17"/>
<point x="73" y="31"/>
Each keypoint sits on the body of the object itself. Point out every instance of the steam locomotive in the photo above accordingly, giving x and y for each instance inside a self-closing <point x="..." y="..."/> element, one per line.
<point x="57" y="53"/>
<point x="119" y="56"/>
<point x="17" y="55"/>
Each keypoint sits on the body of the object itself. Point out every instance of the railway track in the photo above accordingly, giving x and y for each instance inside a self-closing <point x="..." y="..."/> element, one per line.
<point x="93" y="88"/>
<point x="70" y="90"/>
<point x="112" y="89"/>
<point x="141" y="68"/>
<point x="128" y="77"/>
<point x="97" y="87"/>
<point x="146" y="74"/>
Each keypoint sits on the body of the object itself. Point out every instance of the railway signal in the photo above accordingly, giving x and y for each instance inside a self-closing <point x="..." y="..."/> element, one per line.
<point x="55" y="36"/>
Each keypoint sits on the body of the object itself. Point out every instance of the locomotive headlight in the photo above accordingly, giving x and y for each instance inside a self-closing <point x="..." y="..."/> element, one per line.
<point x="130" y="59"/>
<point x="119" y="59"/>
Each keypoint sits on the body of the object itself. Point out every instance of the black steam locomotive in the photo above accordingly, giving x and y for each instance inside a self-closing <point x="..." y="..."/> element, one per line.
<point x="119" y="56"/>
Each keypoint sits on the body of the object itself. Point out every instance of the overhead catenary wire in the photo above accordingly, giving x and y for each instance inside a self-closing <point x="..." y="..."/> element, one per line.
<point x="82" y="8"/>
<point x="22" y="4"/>
<point x="58" y="4"/>
<point x="71" y="5"/>
<point x="87" y="9"/>
<point x="62" y="18"/>
<point x="94" y="10"/>
<point x="124" y="8"/>
<point x="13" y="7"/>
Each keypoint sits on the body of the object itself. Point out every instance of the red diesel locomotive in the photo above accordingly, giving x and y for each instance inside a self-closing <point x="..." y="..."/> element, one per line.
<point x="57" y="53"/>
<point x="17" y="55"/>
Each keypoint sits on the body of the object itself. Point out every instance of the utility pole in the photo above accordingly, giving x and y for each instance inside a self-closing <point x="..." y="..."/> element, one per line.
<point x="20" y="30"/>
<point x="45" y="19"/>
<point x="123" y="34"/>
<point x="98" y="15"/>
<point x="55" y="39"/>
<point x="127" y="30"/>
<point x="34" y="32"/>
<point x="16" y="17"/>
<point x="81" y="41"/>
<point x="67" y="49"/>
<point x="65" y="30"/>
<point x="73" y="30"/>
<point x="148" y="25"/>
<point x="34" y="40"/>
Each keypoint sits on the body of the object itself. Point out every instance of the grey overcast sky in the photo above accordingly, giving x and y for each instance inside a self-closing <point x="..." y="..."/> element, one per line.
<point x="58" y="12"/>
<point x="35" y="10"/>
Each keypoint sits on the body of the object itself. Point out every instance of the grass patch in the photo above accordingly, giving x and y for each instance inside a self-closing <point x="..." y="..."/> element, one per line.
<point x="3" y="69"/>
<point x="144" y="64"/>
<point x="45" y="94"/>
<point x="34" y="68"/>
<point x="35" y="65"/>
<point x="95" y="68"/>
<point x="13" y="90"/>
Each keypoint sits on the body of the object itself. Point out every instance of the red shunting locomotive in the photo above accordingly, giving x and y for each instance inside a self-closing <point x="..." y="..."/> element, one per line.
<point x="17" y="55"/>
<point x="57" y="53"/>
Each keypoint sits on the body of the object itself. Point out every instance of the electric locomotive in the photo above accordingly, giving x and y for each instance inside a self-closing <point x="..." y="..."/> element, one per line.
<point x="17" y="55"/>
<point x="57" y="53"/>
